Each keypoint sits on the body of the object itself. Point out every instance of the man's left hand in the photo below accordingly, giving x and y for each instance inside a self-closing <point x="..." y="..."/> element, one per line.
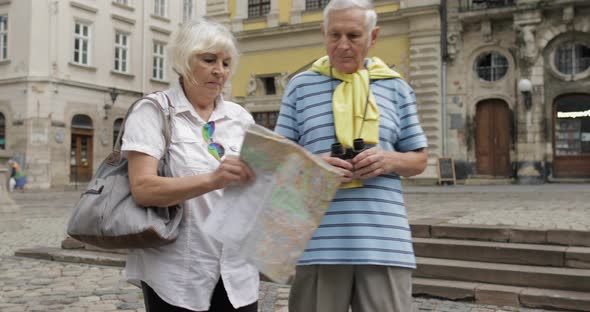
<point x="372" y="162"/>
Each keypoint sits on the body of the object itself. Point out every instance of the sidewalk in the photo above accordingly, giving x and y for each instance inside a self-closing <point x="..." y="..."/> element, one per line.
<point x="38" y="285"/>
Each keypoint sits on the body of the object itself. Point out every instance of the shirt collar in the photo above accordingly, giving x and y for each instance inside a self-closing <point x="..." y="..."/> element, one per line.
<point x="182" y="105"/>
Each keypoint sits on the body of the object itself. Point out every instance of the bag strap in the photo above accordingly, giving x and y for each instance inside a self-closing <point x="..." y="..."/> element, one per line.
<point x="166" y="119"/>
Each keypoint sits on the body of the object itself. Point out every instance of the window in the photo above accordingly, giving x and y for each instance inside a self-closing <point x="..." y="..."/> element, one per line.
<point x="2" y="131"/>
<point x="3" y="37"/>
<point x="491" y="66"/>
<point x="158" y="61"/>
<point x="315" y="4"/>
<point x="572" y="126"/>
<point x="123" y="2"/>
<point x="266" y="119"/>
<point x="572" y="58"/>
<point x="81" y="43"/>
<point x="160" y="7"/>
<point x="258" y="8"/>
<point x="116" y="129"/>
<point x="188" y="8"/>
<point x="269" y="85"/>
<point x="121" y="52"/>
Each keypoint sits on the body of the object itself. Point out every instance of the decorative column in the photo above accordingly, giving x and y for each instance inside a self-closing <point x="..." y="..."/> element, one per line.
<point x="240" y="14"/>
<point x="297" y="8"/>
<point x="273" y="15"/>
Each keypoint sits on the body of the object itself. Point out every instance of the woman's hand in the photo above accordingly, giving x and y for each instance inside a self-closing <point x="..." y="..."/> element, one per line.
<point x="344" y="166"/>
<point x="232" y="170"/>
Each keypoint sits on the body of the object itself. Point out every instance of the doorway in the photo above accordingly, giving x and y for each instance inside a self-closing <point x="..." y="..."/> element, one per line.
<point x="492" y="138"/>
<point x="81" y="149"/>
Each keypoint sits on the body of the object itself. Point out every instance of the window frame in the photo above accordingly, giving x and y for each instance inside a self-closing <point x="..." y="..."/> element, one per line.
<point x="571" y="47"/>
<point x="123" y="2"/>
<point x="321" y="4"/>
<point x="160" y="8"/>
<point x="266" y="115"/>
<point x="80" y="37"/>
<point x="3" y="37"/>
<point x="122" y="61"/>
<point x="259" y="8"/>
<point x="493" y="68"/>
<point x="188" y="13"/>
<point x="158" y="60"/>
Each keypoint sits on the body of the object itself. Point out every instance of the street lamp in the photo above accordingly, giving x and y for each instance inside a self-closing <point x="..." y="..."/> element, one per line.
<point x="114" y="93"/>
<point x="525" y="87"/>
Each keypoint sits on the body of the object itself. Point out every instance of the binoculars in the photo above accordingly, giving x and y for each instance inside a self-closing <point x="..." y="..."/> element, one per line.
<point x="336" y="150"/>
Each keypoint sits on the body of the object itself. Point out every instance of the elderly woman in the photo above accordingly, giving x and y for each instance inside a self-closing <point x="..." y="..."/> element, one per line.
<point x="195" y="273"/>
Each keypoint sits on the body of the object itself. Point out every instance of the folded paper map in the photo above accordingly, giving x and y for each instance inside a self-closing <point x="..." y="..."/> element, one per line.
<point x="271" y="220"/>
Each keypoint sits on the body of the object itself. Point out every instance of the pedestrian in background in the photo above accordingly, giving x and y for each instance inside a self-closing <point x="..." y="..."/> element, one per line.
<point x="361" y="256"/>
<point x="18" y="175"/>
<point x="196" y="272"/>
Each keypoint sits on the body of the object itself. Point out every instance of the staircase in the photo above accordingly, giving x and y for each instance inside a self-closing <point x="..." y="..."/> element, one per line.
<point x="503" y="266"/>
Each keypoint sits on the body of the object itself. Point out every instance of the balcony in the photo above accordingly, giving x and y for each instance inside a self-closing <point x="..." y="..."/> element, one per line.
<point x="478" y="5"/>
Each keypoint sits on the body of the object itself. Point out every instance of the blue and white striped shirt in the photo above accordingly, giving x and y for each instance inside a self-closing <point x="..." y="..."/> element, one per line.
<point x="366" y="225"/>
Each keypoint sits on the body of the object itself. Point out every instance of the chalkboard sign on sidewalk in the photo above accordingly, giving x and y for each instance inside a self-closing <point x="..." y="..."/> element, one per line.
<point x="446" y="170"/>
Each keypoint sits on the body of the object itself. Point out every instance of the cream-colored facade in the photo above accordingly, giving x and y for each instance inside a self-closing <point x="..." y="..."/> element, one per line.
<point x="64" y="63"/>
<point x="44" y="84"/>
<point x="531" y="121"/>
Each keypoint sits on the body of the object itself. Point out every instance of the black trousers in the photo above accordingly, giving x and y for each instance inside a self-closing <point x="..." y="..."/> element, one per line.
<point x="219" y="302"/>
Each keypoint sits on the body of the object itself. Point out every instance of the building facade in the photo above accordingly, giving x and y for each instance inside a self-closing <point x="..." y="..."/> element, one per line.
<point x="68" y="72"/>
<point x="517" y="89"/>
<point x="69" y="69"/>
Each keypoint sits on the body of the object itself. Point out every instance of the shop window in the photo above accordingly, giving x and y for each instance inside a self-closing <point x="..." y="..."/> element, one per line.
<point x="2" y="131"/>
<point x="116" y="129"/>
<point x="258" y="8"/>
<point x="572" y="126"/>
<point x="315" y="4"/>
<point x="266" y="119"/>
<point x="491" y="66"/>
<point x="572" y="58"/>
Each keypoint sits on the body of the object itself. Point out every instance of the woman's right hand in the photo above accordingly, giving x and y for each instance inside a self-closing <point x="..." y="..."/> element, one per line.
<point x="232" y="170"/>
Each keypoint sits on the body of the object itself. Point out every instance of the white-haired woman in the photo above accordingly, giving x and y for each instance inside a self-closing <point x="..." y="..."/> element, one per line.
<point x="195" y="273"/>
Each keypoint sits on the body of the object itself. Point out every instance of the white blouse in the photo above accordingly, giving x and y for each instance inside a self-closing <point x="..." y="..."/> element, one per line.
<point x="185" y="272"/>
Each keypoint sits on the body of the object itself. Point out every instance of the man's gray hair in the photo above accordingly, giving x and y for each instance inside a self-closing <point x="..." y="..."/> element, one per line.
<point x="366" y="5"/>
<point x="201" y="36"/>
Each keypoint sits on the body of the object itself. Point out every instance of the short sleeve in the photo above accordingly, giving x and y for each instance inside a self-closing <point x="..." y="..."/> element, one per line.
<point x="143" y="131"/>
<point x="287" y="120"/>
<point x="412" y="136"/>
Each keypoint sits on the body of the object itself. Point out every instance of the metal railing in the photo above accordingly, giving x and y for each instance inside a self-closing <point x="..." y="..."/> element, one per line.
<point x="476" y="5"/>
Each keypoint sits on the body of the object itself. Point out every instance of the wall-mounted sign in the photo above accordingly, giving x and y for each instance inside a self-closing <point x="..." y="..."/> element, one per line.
<point x="573" y="114"/>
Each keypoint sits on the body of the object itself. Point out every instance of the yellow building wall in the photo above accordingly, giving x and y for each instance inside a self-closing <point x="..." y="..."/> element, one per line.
<point x="392" y="50"/>
<point x="285" y="11"/>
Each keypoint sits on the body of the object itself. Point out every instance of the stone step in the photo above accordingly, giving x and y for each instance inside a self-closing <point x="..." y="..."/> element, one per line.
<point x="502" y="295"/>
<point x="511" y="253"/>
<point x="437" y="229"/>
<point x="504" y="274"/>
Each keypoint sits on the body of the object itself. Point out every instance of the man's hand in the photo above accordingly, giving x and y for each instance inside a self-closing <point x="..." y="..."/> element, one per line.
<point x="344" y="166"/>
<point x="373" y="162"/>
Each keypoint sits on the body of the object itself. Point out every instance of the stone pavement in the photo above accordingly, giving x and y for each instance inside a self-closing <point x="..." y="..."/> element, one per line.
<point x="38" y="285"/>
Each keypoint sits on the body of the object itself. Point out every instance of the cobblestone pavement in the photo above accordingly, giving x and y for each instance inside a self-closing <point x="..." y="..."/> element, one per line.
<point x="37" y="285"/>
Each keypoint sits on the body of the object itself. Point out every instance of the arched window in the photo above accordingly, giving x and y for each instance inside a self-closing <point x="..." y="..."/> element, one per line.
<point x="572" y="58"/>
<point x="82" y="122"/>
<point x="116" y="129"/>
<point x="2" y="131"/>
<point x="491" y="66"/>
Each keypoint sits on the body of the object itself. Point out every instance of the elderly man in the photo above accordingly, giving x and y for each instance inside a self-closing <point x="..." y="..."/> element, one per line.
<point x="361" y="255"/>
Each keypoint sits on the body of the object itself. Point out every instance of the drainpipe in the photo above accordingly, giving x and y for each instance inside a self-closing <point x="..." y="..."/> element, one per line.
<point x="444" y="56"/>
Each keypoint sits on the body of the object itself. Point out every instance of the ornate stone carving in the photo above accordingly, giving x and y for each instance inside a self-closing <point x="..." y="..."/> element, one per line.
<point x="528" y="50"/>
<point x="251" y="86"/>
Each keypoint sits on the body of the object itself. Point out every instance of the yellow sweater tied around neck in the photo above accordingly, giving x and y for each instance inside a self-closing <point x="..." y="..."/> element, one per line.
<point x="350" y="99"/>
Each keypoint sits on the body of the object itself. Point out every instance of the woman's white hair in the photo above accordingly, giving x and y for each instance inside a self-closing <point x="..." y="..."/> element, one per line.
<point x="201" y="36"/>
<point x="366" y="5"/>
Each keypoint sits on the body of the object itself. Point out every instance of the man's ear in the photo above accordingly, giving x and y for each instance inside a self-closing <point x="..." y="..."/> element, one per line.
<point x="374" y="35"/>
